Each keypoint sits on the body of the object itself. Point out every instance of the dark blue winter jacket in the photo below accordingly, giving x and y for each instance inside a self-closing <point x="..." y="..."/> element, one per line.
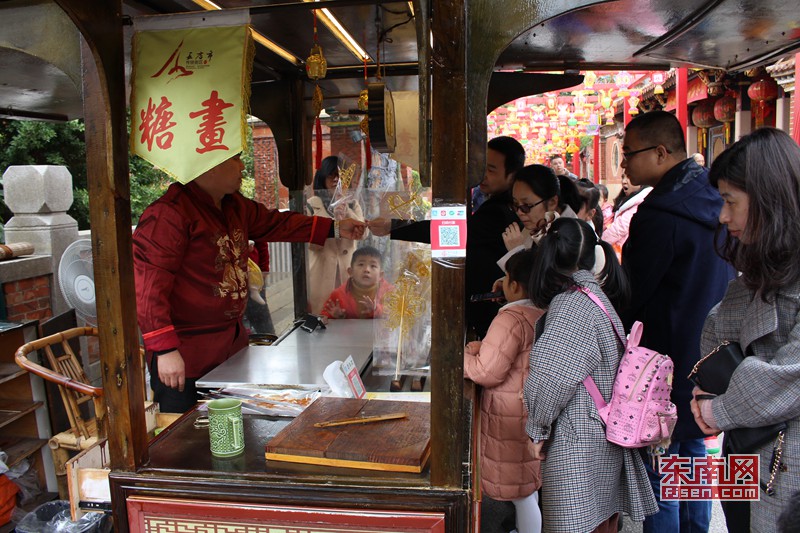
<point x="676" y="275"/>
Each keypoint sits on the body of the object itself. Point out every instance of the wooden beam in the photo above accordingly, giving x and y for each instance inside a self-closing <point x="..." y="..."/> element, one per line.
<point x="449" y="172"/>
<point x="100" y="23"/>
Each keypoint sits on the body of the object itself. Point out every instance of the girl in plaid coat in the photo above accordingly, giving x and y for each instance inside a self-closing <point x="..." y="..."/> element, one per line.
<point x="499" y="363"/>
<point x="586" y="480"/>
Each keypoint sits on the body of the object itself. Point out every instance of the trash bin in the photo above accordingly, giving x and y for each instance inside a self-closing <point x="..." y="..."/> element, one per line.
<point x="54" y="517"/>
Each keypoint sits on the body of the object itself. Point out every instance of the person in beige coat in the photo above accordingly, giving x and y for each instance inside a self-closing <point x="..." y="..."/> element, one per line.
<point x="499" y="363"/>
<point x="328" y="264"/>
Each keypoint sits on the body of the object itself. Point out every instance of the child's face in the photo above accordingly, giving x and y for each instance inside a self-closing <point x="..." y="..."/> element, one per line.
<point x="365" y="271"/>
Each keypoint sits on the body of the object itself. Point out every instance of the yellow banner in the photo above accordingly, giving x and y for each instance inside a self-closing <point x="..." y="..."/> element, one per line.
<point x="190" y="97"/>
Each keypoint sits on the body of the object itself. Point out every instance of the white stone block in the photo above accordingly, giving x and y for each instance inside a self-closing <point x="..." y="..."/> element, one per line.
<point x="37" y="189"/>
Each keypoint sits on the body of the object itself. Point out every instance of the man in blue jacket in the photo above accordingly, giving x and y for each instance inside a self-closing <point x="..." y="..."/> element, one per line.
<point x="676" y="278"/>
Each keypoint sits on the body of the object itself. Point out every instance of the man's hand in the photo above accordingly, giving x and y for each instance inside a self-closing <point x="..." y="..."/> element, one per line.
<point x="353" y="229"/>
<point x="497" y="286"/>
<point x="380" y="226"/>
<point x="171" y="370"/>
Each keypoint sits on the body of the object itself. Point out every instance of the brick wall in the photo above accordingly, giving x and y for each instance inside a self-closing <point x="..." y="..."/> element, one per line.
<point x="268" y="188"/>
<point x="28" y="299"/>
<point x="342" y="143"/>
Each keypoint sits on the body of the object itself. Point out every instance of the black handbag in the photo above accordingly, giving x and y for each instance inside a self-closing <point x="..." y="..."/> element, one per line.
<point x="713" y="373"/>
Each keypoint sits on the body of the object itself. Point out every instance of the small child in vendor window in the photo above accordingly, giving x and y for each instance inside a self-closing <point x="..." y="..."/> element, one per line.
<point x="362" y="294"/>
<point x="499" y="363"/>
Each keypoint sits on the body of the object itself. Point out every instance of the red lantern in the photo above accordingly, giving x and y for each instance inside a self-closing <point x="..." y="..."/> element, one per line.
<point x="703" y="117"/>
<point x="725" y="111"/>
<point x="763" y="90"/>
<point x="703" y="114"/>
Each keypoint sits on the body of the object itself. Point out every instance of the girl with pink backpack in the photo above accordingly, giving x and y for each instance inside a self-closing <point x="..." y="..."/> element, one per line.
<point x="587" y="481"/>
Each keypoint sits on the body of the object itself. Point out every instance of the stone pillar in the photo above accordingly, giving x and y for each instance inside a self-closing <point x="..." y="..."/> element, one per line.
<point x="691" y="140"/>
<point x="783" y="107"/>
<point x="39" y="196"/>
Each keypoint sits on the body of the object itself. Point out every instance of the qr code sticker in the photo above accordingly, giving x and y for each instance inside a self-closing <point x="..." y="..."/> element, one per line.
<point x="449" y="236"/>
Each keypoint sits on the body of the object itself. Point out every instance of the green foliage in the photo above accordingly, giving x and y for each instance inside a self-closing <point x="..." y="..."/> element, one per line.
<point x="147" y="184"/>
<point x="248" y="188"/>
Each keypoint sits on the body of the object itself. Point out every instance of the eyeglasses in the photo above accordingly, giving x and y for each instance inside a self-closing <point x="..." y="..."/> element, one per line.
<point x="627" y="155"/>
<point x="526" y="208"/>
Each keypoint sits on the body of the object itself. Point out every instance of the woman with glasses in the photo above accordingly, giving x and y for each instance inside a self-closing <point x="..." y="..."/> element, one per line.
<point x="539" y="198"/>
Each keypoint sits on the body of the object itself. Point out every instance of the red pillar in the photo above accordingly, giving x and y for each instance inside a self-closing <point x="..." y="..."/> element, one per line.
<point x="576" y="164"/>
<point x="626" y="111"/>
<point x="796" y="99"/>
<point x="681" y="97"/>
<point x="596" y="158"/>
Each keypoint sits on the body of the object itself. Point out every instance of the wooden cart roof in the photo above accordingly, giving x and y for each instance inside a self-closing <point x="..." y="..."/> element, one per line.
<point x="40" y="53"/>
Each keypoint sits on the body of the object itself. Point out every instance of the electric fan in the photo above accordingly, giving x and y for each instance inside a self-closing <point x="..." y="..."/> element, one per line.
<point x="76" y="278"/>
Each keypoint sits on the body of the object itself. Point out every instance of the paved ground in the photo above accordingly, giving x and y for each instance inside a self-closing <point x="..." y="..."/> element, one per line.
<point x="494" y="513"/>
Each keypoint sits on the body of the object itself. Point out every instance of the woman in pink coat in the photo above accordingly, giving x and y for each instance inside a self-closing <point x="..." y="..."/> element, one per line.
<point x="617" y="232"/>
<point x="500" y="364"/>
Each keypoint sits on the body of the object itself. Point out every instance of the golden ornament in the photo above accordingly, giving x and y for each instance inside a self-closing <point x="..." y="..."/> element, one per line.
<point x="363" y="101"/>
<point x="346" y="175"/>
<point x="316" y="64"/>
<point x="316" y="101"/>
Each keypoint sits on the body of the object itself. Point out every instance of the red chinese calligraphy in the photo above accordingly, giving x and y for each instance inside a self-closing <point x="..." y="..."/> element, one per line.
<point x="156" y="121"/>
<point x="675" y="469"/>
<point x="210" y="130"/>
<point x="175" y="67"/>
<point x="709" y="470"/>
<point x="743" y="468"/>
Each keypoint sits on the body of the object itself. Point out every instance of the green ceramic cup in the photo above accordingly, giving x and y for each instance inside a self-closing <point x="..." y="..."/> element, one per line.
<point x="225" y="429"/>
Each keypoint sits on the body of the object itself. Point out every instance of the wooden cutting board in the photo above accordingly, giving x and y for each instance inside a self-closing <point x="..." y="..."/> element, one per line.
<point x="401" y="445"/>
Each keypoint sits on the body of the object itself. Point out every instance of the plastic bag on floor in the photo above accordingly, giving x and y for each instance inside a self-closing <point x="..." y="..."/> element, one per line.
<point x="55" y="517"/>
<point x="27" y="480"/>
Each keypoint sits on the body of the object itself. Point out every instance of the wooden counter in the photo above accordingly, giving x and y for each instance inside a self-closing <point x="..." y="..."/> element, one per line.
<point x="183" y="487"/>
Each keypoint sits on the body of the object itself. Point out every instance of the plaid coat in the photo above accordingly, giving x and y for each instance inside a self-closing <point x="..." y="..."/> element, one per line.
<point x="765" y="388"/>
<point x="585" y="478"/>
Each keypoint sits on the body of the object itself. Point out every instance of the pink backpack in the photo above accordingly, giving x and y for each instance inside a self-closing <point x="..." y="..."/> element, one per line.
<point x="640" y="412"/>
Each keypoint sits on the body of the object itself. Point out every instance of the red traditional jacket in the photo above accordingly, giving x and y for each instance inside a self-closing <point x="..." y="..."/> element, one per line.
<point x="190" y="268"/>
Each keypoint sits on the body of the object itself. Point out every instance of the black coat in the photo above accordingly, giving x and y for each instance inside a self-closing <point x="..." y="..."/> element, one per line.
<point x="676" y="275"/>
<point x="484" y="247"/>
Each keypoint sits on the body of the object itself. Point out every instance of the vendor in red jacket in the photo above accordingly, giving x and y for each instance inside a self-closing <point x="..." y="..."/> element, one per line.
<point x="190" y="264"/>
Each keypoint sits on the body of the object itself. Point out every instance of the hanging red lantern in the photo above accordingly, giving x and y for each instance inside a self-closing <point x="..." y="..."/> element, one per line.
<point x="703" y="118"/>
<point x="703" y="114"/>
<point x="763" y="90"/>
<point x="725" y="109"/>
<point x="725" y="112"/>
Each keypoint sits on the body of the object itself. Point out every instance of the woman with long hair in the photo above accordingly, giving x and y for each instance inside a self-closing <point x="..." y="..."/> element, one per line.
<point x="328" y="264"/>
<point x="759" y="180"/>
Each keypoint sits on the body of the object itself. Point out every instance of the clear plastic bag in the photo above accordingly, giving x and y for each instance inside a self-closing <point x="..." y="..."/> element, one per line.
<point x="54" y="517"/>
